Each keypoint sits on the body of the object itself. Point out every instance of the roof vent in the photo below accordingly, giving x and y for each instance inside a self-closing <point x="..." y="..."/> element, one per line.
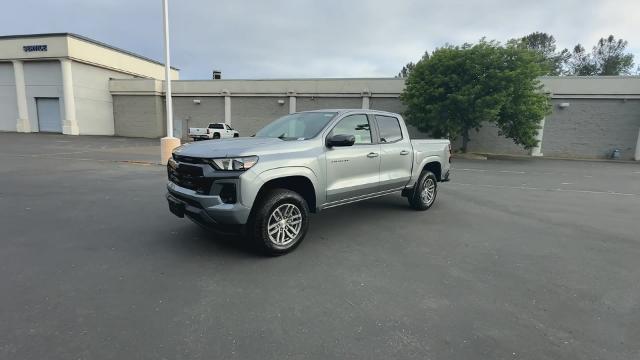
<point x="217" y="75"/>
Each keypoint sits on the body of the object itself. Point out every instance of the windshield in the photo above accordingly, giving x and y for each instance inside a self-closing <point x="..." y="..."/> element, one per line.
<point x="299" y="126"/>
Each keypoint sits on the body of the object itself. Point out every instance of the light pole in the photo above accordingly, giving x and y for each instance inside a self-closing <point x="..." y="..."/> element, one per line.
<point x="167" y="143"/>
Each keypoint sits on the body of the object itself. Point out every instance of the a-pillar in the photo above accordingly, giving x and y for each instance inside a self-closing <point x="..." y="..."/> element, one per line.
<point x="22" y="123"/>
<point x="537" y="150"/>
<point x="69" y="123"/>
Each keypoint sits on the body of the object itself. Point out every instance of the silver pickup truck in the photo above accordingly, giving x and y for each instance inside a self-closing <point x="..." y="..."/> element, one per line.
<point x="267" y="185"/>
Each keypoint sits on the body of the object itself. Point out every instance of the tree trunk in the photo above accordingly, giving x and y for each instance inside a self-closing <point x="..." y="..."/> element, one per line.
<point x="465" y="140"/>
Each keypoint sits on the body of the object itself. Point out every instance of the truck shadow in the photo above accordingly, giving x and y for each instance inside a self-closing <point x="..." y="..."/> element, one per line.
<point x="194" y="239"/>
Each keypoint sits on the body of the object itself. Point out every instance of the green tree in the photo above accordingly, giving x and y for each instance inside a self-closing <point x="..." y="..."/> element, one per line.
<point x="581" y="63"/>
<point x="460" y="88"/>
<point x="406" y="70"/>
<point x="608" y="57"/>
<point x="545" y="45"/>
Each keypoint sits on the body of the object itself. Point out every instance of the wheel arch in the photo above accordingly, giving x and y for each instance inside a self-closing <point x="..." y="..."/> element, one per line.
<point x="298" y="179"/>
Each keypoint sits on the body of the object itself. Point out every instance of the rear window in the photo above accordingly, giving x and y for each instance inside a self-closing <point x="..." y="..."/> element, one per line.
<point x="216" y="126"/>
<point x="389" y="129"/>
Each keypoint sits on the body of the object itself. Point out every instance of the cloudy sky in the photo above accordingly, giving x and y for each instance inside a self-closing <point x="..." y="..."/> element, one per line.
<point x="327" y="38"/>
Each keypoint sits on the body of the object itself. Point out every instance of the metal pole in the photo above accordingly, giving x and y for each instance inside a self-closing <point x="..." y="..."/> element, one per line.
<point x="167" y="143"/>
<point x="167" y="68"/>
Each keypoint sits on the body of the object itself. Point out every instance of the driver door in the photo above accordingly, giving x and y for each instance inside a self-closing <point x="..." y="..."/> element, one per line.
<point x="353" y="171"/>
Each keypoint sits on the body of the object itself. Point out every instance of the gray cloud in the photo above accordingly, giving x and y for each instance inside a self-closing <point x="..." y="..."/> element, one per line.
<point x="304" y="38"/>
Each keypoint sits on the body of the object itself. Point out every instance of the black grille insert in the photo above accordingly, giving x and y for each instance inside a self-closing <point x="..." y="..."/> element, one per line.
<point x="190" y="177"/>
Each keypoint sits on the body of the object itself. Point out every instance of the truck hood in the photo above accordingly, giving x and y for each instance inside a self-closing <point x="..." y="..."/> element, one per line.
<point x="236" y="147"/>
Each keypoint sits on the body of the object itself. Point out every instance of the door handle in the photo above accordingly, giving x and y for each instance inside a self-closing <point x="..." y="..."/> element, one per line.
<point x="372" y="155"/>
<point x="404" y="152"/>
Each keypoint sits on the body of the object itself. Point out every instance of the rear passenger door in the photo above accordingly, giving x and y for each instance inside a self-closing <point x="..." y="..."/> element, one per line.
<point x="396" y="153"/>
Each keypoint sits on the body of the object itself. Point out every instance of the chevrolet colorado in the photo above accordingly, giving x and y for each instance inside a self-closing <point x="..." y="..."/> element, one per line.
<point x="304" y="162"/>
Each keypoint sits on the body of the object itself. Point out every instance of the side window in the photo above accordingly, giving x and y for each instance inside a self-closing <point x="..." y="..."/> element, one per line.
<point x="227" y="127"/>
<point x="356" y="125"/>
<point x="216" y="126"/>
<point x="389" y="129"/>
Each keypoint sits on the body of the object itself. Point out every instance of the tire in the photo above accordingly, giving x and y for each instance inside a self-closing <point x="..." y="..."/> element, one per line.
<point x="236" y="135"/>
<point x="286" y="233"/>
<point x="216" y="136"/>
<point x="424" y="192"/>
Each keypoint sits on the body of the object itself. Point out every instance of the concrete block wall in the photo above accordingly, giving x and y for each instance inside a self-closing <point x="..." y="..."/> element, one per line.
<point x="587" y="128"/>
<point x="592" y="128"/>
<point x="139" y="116"/>
<point x="604" y="112"/>
<point x="316" y="103"/>
<point x="251" y="113"/>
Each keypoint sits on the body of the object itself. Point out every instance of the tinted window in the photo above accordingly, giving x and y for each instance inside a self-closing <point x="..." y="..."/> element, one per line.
<point x="356" y="125"/>
<point x="298" y="126"/>
<point x="216" y="126"/>
<point x="389" y="129"/>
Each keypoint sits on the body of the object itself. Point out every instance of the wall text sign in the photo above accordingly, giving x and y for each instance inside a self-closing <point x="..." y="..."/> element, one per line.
<point x="32" y="48"/>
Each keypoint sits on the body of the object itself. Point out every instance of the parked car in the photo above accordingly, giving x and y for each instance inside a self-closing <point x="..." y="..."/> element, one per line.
<point x="213" y="131"/>
<point x="304" y="162"/>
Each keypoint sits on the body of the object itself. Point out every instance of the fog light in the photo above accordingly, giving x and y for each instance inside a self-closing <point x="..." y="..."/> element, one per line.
<point x="228" y="193"/>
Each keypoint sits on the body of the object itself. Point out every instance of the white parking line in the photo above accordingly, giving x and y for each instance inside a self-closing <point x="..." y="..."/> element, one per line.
<point x="547" y="189"/>
<point x="479" y="170"/>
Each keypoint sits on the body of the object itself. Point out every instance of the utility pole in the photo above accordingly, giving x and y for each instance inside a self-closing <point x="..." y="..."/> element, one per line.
<point x="167" y="143"/>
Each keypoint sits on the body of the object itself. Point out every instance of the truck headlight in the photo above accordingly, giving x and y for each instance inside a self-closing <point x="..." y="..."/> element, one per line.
<point x="233" y="163"/>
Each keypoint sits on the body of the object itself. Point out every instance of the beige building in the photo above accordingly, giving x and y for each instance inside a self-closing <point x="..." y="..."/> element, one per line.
<point x="60" y="82"/>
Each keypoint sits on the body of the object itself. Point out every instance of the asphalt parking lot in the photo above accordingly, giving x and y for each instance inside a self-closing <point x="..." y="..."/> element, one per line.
<point x="518" y="259"/>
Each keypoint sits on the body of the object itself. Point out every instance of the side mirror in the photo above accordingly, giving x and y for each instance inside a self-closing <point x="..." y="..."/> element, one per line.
<point x="341" y="140"/>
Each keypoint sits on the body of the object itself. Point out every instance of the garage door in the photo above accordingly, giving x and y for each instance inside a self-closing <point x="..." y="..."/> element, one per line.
<point x="49" y="115"/>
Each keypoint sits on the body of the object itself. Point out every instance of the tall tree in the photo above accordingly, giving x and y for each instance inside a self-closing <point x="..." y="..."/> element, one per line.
<point x="608" y="57"/>
<point x="545" y="45"/>
<point x="461" y="88"/>
<point x="581" y="63"/>
<point x="406" y="70"/>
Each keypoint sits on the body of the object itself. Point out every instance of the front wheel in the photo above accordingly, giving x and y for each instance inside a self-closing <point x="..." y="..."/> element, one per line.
<point x="280" y="221"/>
<point x="424" y="192"/>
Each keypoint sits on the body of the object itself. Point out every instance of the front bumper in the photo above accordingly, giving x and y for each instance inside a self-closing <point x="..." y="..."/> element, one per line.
<point x="205" y="209"/>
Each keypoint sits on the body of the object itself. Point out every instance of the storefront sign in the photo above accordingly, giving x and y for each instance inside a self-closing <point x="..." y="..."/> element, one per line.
<point x="32" y="48"/>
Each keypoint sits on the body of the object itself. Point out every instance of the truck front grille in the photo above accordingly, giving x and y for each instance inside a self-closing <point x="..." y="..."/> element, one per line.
<point x="190" y="177"/>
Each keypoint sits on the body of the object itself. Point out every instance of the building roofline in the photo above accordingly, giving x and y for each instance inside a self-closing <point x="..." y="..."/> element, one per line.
<point x="84" y="38"/>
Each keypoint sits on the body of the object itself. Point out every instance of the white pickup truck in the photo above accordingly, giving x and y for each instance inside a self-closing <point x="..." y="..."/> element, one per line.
<point x="304" y="162"/>
<point x="213" y="131"/>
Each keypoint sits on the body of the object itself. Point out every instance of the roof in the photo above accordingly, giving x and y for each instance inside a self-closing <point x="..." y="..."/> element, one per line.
<point x="83" y="38"/>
